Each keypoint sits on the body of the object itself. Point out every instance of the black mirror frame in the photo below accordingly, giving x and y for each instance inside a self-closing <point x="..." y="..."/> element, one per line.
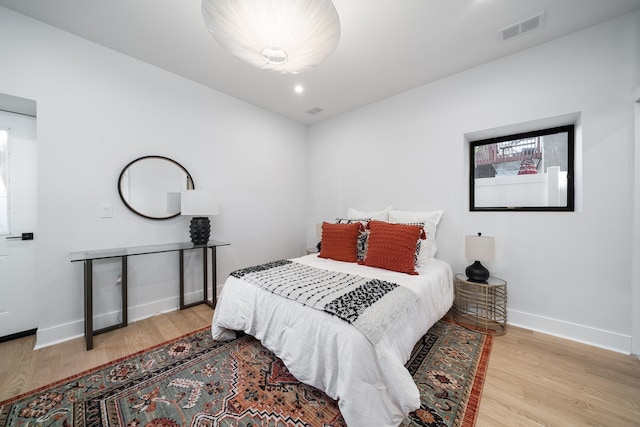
<point x="190" y="185"/>
<point x="570" y="207"/>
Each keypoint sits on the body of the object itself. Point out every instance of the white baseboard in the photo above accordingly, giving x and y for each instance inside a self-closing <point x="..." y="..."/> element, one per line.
<point x="608" y="340"/>
<point x="68" y="331"/>
<point x="585" y="334"/>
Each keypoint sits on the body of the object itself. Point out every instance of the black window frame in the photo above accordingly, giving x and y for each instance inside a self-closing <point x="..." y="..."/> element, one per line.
<point x="570" y="206"/>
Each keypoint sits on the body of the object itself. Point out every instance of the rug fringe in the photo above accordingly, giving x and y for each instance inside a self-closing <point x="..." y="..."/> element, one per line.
<point x="473" y="404"/>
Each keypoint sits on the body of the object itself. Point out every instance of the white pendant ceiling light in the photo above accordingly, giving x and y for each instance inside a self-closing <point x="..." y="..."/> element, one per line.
<point x="289" y="36"/>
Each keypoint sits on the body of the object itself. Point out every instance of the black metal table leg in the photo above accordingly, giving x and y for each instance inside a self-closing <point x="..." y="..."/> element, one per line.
<point x="124" y="290"/>
<point x="181" y="254"/>
<point x="88" y="303"/>
<point x="214" y="271"/>
<point x="205" y="279"/>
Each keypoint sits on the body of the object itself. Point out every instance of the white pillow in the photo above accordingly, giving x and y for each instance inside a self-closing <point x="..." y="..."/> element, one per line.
<point x="378" y="215"/>
<point x="429" y="247"/>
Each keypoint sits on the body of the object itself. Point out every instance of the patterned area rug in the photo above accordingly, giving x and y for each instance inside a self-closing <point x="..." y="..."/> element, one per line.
<point x="194" y="381"/>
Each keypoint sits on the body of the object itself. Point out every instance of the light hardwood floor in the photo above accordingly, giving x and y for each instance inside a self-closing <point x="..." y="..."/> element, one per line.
<point x="536" y="379"/>
<point x="533" y="379"/>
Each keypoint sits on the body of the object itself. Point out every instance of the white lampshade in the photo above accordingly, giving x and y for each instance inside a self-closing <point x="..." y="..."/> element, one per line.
<point x="479" y="248"/>
<point x="198" y="203"/>
<point x="173" y="202"/>
<point x="289" y="36"/>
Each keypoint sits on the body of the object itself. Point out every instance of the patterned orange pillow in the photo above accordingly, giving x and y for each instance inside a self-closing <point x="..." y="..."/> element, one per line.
<point x="340" y="241"/>
<point x="393" y="246"/>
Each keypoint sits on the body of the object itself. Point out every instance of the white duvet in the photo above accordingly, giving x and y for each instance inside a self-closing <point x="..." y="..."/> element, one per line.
<point x="371" y="384"/>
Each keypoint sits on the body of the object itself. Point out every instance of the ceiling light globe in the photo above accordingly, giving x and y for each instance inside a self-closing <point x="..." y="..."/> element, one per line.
<point x="289" y="36"/>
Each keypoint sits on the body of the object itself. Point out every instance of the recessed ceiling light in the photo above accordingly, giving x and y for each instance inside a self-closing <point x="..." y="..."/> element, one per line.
<point x="298" y="89"/>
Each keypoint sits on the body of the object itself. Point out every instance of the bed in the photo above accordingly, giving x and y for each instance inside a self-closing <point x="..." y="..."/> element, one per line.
<point x="359" y="365"/>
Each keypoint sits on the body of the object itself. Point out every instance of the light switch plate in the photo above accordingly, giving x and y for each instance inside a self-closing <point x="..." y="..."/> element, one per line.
<point x="107" y="210"/>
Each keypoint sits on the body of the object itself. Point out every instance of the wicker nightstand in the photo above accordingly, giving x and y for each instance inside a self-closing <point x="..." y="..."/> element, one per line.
<point x="481" y="306"/>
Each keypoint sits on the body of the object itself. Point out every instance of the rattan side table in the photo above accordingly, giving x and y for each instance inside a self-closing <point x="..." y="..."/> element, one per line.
<point x="481" y="306"/>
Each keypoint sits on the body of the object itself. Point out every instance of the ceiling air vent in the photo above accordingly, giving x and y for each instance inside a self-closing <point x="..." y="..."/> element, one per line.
<point x="522" y="27"/>
<point x="314" y="111"/>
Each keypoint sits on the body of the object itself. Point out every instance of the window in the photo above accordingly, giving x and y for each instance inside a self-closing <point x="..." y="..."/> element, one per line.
<point x="532" y="171"/>
<point x="4" y="184"/>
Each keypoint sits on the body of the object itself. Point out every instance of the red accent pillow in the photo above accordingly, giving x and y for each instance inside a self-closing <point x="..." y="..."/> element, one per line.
<point x="340" y="241"/>
<point x="393" y="246"/>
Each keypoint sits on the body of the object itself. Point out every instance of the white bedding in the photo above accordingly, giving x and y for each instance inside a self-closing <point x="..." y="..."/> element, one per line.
<point x="371" y="384"/>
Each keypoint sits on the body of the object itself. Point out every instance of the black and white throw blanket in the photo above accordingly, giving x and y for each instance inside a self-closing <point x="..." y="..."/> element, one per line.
<point x="371" y="305"/>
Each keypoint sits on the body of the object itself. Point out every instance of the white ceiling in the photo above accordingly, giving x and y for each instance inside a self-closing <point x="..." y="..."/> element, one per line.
<point x="386" y="46"/>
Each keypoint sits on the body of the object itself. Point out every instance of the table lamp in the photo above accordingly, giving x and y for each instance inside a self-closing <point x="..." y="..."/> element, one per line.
<point x="319" y="235"/>
<point x="199" y="204"/>
<point x="478" y="248"/>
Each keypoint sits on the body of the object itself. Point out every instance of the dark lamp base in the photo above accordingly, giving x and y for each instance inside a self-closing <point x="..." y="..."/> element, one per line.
<point x="199" y="230"/>
<point x="476" y="272"/>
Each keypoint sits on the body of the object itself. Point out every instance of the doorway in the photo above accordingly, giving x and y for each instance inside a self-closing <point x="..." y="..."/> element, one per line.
<point x="635" y="253"/>
<point x="18" y="215"/>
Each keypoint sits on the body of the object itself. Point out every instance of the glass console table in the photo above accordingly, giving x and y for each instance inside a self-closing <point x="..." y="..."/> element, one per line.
<point x="87" y="257"/>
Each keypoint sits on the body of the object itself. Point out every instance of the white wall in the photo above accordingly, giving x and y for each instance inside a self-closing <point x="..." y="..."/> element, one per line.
<point x="97" y="111"/>
<point x="569" y="273"/>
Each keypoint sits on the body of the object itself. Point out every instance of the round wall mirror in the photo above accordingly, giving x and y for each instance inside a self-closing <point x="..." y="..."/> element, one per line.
<point x="150" y="186"/>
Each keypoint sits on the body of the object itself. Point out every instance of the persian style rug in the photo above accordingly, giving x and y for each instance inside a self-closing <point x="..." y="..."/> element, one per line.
<point x="195" y="381"/>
